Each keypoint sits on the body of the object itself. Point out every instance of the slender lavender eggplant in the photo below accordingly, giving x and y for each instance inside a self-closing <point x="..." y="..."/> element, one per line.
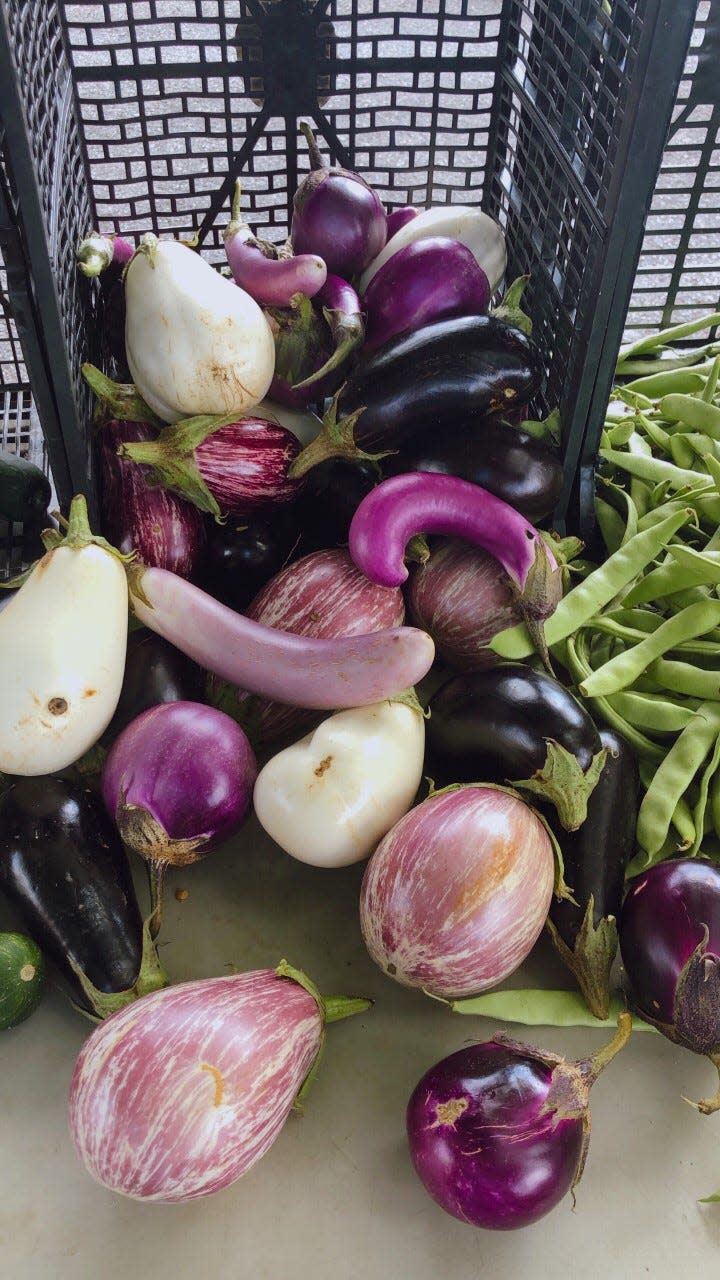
<point x="584" y="932"/>
<point x="65" y="872"/>
<point x="268" y="275"/>
<point x="499" y="1132"/>
<point x="428" y="280"/>
<point x="226" y="466"/>
<point x="422" y="502"/>
<point x="337" y="215"/>
<point x="327" y="674"/>
<point x="501" y="458"/>
<point x="399" y="218"/>
<point x="669" y="931"/>
<point x="343" y="314"/>
<point x="509" y="723"/>
<point x="177" y="782"/>
<point x="463" y="597"/>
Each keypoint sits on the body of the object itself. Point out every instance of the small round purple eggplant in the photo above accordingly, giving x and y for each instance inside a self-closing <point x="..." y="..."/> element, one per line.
<point x="499" y="1132"/>
<point x="337" y="215"/>
<point x="178" y="781"/>
<point x="399" y="218"/>
<point x="669" y="931"/>
<point x="428" y="280"/>
<point x="265" y="273"/>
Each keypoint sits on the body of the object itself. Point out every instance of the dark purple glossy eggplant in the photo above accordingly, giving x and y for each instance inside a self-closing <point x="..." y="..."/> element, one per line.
<point x="499" y="1132"/>
<point x="332" y="494"/>
<point x="337" y="215"/>
<point x="463" y="597"/>
<point x="243" y="555"/>
<point x="509" y="723"/>
<point x="65" y="872"/>
<point x="425" y="281"/>
<point x="669" y="931"/>
<point x="501" y="458"/>
<point x="226" y="468"/>
<point x="155" y="672"/>
<point x="161" y="527"/>
<point x="595" y="857"/>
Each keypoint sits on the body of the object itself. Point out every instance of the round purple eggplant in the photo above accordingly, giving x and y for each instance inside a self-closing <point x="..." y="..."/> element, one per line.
<point x="499" y="1132"/>
<point x="669" y="932"/>
<point x="337" y="215"/>
<point x="427" y="280"/>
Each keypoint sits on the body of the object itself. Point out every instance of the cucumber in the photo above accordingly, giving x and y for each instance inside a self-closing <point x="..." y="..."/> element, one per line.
<point x="24" y="489"/>
<point x="22" y="978"/>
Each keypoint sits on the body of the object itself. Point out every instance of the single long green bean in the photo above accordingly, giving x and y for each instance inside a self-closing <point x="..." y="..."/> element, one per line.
<point x="674" y="775"/>
<point x="620" y="433"/>
<point x="622" y="670"/>
<point x="667" y="336"/>
<point x="577" y="663"/>
<point x="682" y="816"/>
<point x="681" y="451"/>
<point x="665" y="580"/>
<point x="597" y="590"/>
<point x="662" y="383"/>
<point x="704" y="566"/>
<point x="694" y="412"/>
<point x="651" y="713"/>
<point x="711" y="385"/>
<point x="612" y="525"/>
<point x="699" y="811"/>
<point x="655" y="470"/>
<point x="685" y="679"/>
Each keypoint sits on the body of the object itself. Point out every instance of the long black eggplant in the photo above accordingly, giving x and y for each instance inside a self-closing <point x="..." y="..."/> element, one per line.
<point x="595" y="857"/>
<point x="155" y="672"/>
<point x="509" y="723"/>
<point x="454" y="370"/>
<point x="65" y="873"/>
<point x="501" y="458"/>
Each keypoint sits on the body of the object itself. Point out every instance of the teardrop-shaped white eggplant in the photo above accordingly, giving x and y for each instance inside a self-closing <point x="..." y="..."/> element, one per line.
<point x="63" y="638"/>
<point x="196" y="343"/>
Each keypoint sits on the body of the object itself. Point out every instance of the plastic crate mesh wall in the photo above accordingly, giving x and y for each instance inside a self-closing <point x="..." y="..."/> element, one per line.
<point x="518" y="105"/>
<point x="678" y="274"/>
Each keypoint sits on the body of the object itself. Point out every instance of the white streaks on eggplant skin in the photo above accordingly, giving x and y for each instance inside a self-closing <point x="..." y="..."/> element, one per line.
<point x="178" y="1095"/>
<point x="245" y="464"/>
<point x="456" y="895"/>
<point x="324" y="595"/>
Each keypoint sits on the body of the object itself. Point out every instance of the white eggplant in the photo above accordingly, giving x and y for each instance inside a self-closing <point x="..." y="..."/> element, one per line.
<point x="63" y="639"/>
<point x="466" y="223"/>
<point x="195" y="342"/>
<point x="330" y="798"/>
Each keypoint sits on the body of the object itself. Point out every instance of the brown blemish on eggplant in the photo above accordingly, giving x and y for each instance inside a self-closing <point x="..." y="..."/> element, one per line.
<point x="57" y="706"/>
<point x="219" y="1082"/>
<point x="484" y="886"/>
<point x="446" y="1113"/>
<point x="89" y="693"/>
<point x="323" y="767"/>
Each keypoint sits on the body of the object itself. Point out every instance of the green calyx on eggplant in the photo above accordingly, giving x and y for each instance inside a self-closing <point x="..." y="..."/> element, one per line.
<point x="66" y="874"/>
<point x="461" y="369"/>
<point x="584" y="932"/>
<point x="512" y="723"/>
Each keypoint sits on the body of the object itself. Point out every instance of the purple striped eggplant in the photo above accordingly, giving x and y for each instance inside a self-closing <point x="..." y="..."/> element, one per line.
<point x="428" y="280"/>
<point x="182" y="1098"/>
<point x="226" y="466"/>
<point x="164" y="529"/>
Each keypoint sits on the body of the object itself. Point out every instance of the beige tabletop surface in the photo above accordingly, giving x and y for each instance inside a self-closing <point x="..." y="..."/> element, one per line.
<point x="336" y="1197"/>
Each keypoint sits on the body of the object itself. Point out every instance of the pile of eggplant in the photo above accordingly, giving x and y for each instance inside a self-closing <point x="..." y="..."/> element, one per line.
<point x="323" y="497"/>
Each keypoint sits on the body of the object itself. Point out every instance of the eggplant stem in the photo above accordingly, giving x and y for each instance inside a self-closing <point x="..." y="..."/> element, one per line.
<point x="591" y="1068"/>
<point x="316" y="160"/>
<point x="235" y="212"/>
<point x="339" y="355"/>
<point x="156" y="880"/>
<point x="708" y="1106"/>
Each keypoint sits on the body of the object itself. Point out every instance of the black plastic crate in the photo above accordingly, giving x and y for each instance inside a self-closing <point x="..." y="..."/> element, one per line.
<point x="552" y="114"/>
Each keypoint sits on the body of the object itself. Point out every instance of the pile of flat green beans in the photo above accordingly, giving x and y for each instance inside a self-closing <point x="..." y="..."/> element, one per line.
<point x="639" y="635"/>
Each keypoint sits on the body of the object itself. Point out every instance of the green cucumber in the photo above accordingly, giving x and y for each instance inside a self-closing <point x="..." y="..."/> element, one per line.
<point x="22" y="978"/>
<point x="24" y="490"/>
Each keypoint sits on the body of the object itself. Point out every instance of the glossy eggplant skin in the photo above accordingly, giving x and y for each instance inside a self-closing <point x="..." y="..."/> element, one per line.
<point x="65" y="873"/>
<point x="155" y="672"/>
<point x="243" y="554"/>
<point x="24" y="490"/>
<point x="461" y="369"/>
<point x="501" y="458"/>
<point x="333" y="492"/>
<point x="597" y="854"/>
<point x="493" y="725"/>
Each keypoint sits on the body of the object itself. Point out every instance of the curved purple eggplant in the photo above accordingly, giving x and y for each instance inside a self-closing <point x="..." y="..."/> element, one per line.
<point x="427" y="280"/>
<point x="257" y="266"/>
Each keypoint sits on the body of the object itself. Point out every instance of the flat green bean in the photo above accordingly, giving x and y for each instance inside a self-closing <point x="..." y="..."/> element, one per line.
<point x="693" y="411"/>
<point x="682" y="817"/>
<point x="576" y="661"/>
<point x="650" y="712"/>
<point x="620" y="433"/>
<point x="660" y="384"/>
<point x="711" y="385"/>
<point x="681" y="451"/>
<point x="597" y="590"/>
<point x="612" y="525"/>
<point x="622" y="670"/>
<point x="665" y="580"/>
<point x="640" y="492"/>
<point x="676" y="601"/>
<point x="688" y="680"/>
<point x="665" y="337"/>
<point x="660" y="438"/>
<point x="703" y="565"/>
<point x="699" y="811"/>
<point x="674" y="775"/>
<point x="655" y="470"/>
